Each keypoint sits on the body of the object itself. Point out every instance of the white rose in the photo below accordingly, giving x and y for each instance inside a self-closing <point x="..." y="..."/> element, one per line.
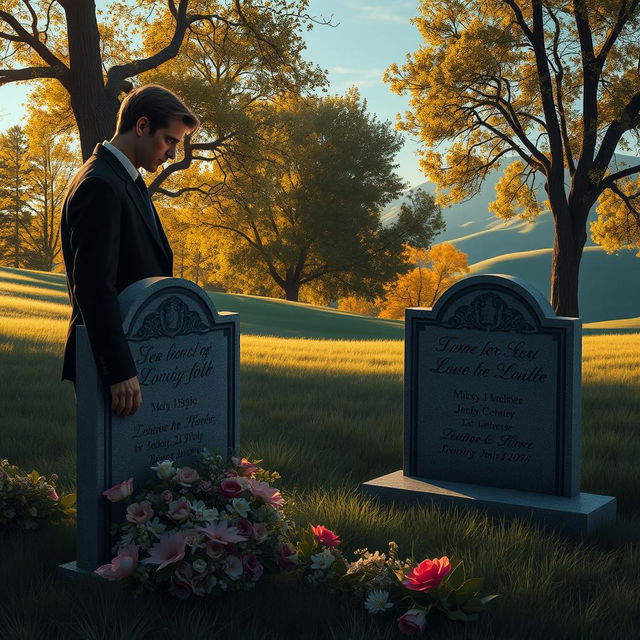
<point x="240" y="506"/>
<point x="322" y="560"/>
<point x="164" y="469"/>
<point x="233" y="567"/>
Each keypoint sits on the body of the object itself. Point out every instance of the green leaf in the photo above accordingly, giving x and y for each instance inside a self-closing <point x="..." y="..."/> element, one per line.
<point x="471" y="588"/>
<point x="456" y="577"/>
<point x="458" y="616"/>
<point x="340" y="567"/>
<point x="474" y="605"/>
<point x="68" y="500"/>
<point x="488" y="599"/>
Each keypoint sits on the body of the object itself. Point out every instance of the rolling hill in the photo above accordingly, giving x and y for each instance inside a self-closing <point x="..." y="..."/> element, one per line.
<point x="41" y="294"/>
<point x="609" y="283"/>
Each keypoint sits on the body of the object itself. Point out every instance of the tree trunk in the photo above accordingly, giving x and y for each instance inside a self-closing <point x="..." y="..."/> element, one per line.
<point x="565" y="264"/>
<point x="95" y="110"/>
<point x="292" y="290"/>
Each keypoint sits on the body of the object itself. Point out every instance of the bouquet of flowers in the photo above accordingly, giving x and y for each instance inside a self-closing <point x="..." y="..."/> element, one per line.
<point x="387" y="583"/>
<point x="29" y="500"/>
<point x="216" y="526"/>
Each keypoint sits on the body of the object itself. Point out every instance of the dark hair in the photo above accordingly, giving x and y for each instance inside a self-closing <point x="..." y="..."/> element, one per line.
<point x="156" y="103"/>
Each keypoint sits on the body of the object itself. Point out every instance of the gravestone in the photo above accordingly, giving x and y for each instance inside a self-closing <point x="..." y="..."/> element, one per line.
<point x="492" y="408"/>
<point x="187" y="356"/>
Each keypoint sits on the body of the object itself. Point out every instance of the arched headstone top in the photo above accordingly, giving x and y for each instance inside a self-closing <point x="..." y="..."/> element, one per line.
<point x="166" y="307"/>
<point x="494" y="302"/>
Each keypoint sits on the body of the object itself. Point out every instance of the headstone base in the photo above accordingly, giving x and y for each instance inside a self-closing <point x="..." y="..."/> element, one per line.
<point x="70" y="571"/>
<point x="581" y="515"/>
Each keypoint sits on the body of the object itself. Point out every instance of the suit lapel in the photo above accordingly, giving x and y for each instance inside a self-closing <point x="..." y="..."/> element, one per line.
<point x="138" y="200"/>
<point x="163" y="237"/>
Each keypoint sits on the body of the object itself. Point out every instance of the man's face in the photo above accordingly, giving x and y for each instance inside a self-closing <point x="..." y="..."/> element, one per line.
<point x="152" y="150"/>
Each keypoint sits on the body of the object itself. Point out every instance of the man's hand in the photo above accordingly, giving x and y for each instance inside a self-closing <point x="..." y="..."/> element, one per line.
<point x="126" y="397"/>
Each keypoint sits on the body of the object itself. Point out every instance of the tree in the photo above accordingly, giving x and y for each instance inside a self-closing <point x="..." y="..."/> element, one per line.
<point x="306" y="212"/>
<point x="63" y="41"/>
<point x="433" y="272"/>
<point x="51" y="165"/>
<point x="554" y="83"/>
<point x="13" y="194"/>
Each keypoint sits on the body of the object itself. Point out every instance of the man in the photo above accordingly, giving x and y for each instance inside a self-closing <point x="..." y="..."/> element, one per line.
<point x="112" y="236"/>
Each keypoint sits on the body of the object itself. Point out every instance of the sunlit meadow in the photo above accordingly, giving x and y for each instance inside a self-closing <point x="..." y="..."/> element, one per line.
<point x="326" y="414"/>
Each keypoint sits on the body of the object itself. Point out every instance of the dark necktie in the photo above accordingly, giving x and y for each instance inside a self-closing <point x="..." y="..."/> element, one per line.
<point x="151" y="216"/>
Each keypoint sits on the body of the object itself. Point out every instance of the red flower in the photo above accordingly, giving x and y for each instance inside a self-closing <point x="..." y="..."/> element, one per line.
<point x="325" y="536"/>
<point x="428" y="574"/>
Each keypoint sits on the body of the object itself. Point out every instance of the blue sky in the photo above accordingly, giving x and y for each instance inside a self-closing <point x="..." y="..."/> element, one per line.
<point x="369" y="35"/>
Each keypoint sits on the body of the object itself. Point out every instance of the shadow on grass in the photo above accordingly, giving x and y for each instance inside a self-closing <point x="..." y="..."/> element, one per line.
<point x="53" y="281"/>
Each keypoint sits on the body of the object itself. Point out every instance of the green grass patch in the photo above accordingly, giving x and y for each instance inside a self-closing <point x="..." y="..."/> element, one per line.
<point x="327" y="414"/>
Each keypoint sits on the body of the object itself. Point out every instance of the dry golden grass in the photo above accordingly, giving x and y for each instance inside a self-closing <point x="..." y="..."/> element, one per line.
<point x="611" y="359"/>
<point x="360" y="357"/>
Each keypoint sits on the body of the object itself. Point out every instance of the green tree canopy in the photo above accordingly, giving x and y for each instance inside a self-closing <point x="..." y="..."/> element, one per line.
<point x="305" y="210"/>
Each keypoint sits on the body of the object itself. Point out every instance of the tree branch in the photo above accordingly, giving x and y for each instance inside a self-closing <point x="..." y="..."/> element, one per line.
<point x="118" y="72"/>
<point x="614" y="177"/>
<point x="628" y="120"/>
<point x="37" y="45"/>
<point x="591" y="75"/>
<point x="546" y="93"/>
<point x="522" y="23"/>
<point x="31" y="73"/>
<point x="624" y="15"/>
<point x="199" y="189"/>
<point x="627" y="200"/>
<point x="559" y="77"/>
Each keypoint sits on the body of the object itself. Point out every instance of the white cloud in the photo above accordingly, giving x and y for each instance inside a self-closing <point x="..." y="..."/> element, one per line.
<point x="369" y="74"/>
<point x="399" y="14"/>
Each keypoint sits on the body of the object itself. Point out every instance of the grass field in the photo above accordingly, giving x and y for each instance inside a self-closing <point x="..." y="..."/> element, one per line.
<point x="326" y="414"/>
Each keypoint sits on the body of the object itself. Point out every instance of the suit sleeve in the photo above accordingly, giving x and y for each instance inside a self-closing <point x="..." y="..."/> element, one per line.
<point x="94" y="217"/>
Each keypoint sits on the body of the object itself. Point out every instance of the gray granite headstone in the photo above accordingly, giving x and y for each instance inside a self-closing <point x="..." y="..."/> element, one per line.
<point x="187" y="356"/>
<point x="492" y="405"/>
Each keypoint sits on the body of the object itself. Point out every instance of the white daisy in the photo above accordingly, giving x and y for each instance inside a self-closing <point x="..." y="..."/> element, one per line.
<point x="377" y="602"/>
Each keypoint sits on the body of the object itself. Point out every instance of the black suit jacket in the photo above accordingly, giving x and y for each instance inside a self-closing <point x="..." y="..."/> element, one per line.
<point x="108" y="242"/>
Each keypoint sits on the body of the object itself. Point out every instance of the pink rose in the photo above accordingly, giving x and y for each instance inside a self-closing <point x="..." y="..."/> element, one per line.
<point x="287" y="557"/>
<point x="252" y="567"/>
<point x="260" y="532"/>
<point x="180" y="590"/>
<point x="179" y="510"/>
<point x="119" y="491"/>
<point x="325" y="536"/>
<point x="186" y="476"/>
<point x="52" y="495"/>
<point x="206" y="485"/>
<point x="231" y="474"/>
<point x="244" y="527"/>
<point x="231" y="487"/>
<point x="139" y="512"/>
<point x="412" y="622"/>
<point x="262" y="490"/>
<point x="167" y="496"/>
<point x="204" y="584"/>
<point x="245" y="468"/>
<point x="428" y="574"/>
<point x="122" y="566"/>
